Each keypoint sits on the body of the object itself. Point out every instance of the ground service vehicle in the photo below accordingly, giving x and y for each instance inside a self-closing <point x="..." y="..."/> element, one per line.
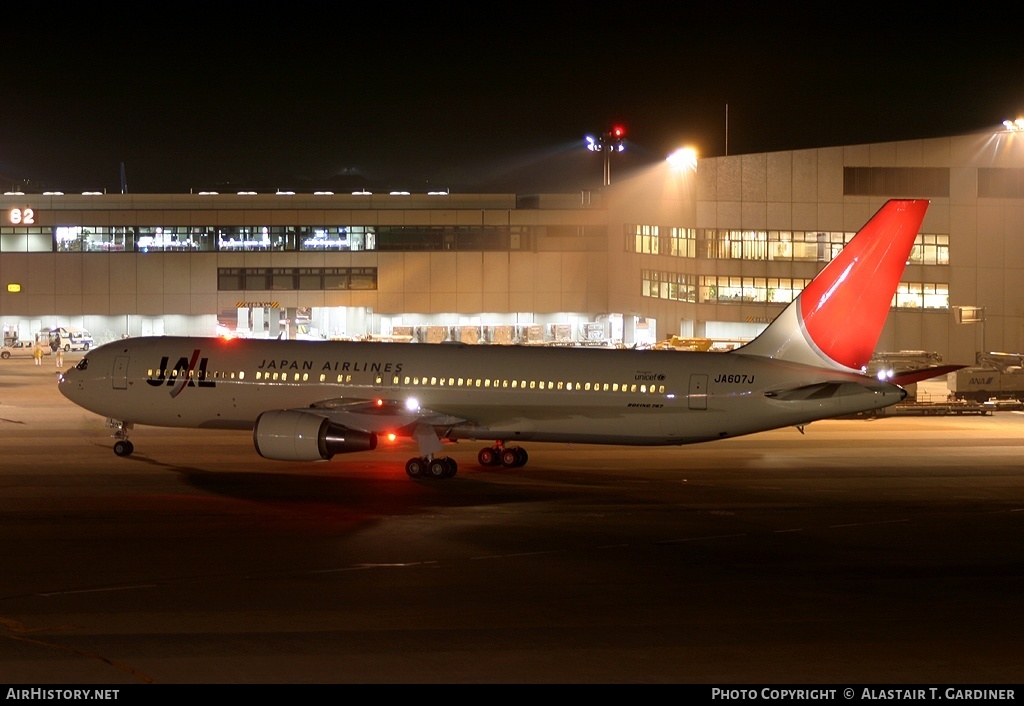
<point x="69" y="338"/>
<point x="20" y="349"/>
<point x="997" y="376"/>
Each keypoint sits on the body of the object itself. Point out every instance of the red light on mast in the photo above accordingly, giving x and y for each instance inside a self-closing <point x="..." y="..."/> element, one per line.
<point x="619" y="131"/>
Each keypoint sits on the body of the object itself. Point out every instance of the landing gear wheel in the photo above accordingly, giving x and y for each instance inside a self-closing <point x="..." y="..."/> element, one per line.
<point x="489" y="457"/>
<point x="443" y="467"/>
<point x="513" y="457"/>
<point x="415" y="467"/>
<point x="123" y="447"/>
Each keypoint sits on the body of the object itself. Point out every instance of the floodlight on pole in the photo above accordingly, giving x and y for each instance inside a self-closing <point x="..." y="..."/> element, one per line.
<point x="683" y="158"/>
<point x="608" y="142"/>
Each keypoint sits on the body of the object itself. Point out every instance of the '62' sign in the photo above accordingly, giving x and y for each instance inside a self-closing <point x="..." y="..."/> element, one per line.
<point x="22" y="216"/>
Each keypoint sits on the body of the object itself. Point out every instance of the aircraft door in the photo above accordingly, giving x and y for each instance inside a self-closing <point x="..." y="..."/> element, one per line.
<point x="119" y="376"/>
<point x="385" y="381"/>
<point x="698" y="395"/>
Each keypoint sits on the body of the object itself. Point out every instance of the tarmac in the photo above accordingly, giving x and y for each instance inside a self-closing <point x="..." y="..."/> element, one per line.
<point x="863" y="551"/>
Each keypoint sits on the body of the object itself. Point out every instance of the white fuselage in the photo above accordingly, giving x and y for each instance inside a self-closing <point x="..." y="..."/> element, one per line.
<point x="469" y="392"/>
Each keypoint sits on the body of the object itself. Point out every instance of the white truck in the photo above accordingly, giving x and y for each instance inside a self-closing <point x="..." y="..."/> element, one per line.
<point x="997" y="376"/>
<point x="69" y="338"/>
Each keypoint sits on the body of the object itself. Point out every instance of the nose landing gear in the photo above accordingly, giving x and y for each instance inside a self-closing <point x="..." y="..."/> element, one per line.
<point x="122" y="447"/>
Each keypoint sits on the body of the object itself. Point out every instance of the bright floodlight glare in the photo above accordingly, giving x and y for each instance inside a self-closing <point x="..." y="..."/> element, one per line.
<point x="684" y="158"/>
<point x="592" y="144"/>
<point x="412" y="404"/>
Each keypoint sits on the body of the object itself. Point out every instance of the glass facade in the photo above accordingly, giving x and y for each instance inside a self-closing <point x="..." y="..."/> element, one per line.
<point x="770" y="245"/>
<point x="143" y="239"/>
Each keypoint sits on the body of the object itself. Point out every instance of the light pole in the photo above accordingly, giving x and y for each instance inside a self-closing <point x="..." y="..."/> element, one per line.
<point x="608" y="142"/>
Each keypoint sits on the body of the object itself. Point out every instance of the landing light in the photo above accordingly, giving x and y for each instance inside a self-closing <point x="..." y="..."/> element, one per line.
<point x="412" y="404"/>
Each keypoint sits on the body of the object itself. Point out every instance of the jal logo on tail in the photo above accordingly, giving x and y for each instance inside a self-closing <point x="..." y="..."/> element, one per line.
<point x="183" y="374"/>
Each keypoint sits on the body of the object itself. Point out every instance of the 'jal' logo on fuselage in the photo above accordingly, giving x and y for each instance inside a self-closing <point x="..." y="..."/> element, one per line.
<point x="183" y="374"/>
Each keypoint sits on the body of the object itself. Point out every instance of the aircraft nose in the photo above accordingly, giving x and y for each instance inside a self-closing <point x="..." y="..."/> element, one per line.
<point x="69" y="383"/>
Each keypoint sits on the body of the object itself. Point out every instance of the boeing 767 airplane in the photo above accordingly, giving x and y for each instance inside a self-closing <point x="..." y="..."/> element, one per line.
<point x="311" y="400"/>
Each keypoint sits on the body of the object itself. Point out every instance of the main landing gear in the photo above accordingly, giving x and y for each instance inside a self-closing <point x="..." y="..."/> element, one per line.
<point x="500" y="455"/>
<point x="122" y="447"/>
<point x="429" y="467"/>
<point x="438" y="468"/>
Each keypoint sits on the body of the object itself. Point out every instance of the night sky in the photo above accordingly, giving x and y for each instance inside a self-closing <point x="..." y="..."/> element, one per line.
<point x="476" y="97"/>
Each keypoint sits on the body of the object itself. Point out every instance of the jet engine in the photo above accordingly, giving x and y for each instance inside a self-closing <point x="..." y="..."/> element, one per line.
<point x="291" y="435"/>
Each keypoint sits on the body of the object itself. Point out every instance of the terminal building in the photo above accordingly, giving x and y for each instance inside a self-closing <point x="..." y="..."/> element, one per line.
<point x="711" y="251"/>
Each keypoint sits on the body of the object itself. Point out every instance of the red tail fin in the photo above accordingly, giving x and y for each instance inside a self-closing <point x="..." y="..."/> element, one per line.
<point x="837" y="319"/>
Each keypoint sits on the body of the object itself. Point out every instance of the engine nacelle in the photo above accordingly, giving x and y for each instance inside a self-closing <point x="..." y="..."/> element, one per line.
<point x="290" y="435"/>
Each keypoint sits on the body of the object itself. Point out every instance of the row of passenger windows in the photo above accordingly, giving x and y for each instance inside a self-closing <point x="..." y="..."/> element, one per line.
<point x="526" y="384"/>
<point x="160" y="374"/>
<point x="409" y="381"/>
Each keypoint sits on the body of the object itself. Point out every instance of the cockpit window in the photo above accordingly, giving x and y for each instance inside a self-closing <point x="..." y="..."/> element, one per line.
<point x="82" y="364"/>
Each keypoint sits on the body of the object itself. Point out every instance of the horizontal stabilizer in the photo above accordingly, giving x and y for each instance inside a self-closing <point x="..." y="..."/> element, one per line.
<point x="820" y="391"/>
<point x="911" y="376"/>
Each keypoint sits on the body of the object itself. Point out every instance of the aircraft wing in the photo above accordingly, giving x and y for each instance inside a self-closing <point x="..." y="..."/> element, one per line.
<point x="329" y="427"/>
<point x="379" y="415"/>
<point x="388" y="416"/>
